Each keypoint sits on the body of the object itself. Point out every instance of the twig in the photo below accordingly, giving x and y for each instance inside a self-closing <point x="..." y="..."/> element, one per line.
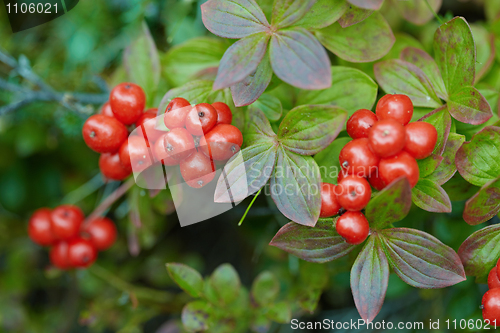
<point x="433" y="12"/>
<point x="248" y="208"/>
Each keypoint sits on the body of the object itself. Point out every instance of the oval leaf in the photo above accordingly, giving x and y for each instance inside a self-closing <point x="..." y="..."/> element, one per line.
<point x="369" y="279"/>
<point x="299" y="59"/>
<point x="447" y="168"/>
<point x="469" y="106"/>
<point x="226" y="282"/>
<point x="233" y="18"/>
<point x="481" y="250"/>
<point x="367" y="4"/>
<point x="287" y="12"/>
<point x="251" y="88"/>
<point x="483" y="205"/>
<point x="308" y="129"/>
<point x="196" y="316"/>
<point x="390" y="205"/>
<point x="429" y="164"/>
<point x="322" y="14"/>
<point x="416" y="11"/>
<point x="187" y="278"/>
<point x="441" y="120"/>
<point x="355" y="43"/>
<point x="319" y="244"/>
<point x="265" y="288"/>
<point x="420" y="259"/>
<point x="431" y="197"/>
<point x="354" y="15"/>
<point x="270" y="106"/>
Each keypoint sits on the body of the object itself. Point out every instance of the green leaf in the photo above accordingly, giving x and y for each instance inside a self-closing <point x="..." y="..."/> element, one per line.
<point x="485" y="50"/>
<point x="319" y="244"/>
<point x="390" y="205"/>
<point x="429" y="164"/>
<point x="241" y="60"/>
<point x="455" y="54"/>
<point x="478" y="160"/>
<point x="187" y="278"/>
<point x="447" y="168"/>
<point x="295" y="187"/>
<point x="259" y="129"/>
<point x="328" y="160"/>
<point x="459" y="189"/>
<point x="481" y="250"/>
<point x="354" y="15"/>
<point x="226" y="283"/>
<point x="355" y="43"/>
<point x="287" y="12"/>
<point x="417" y="11"/>
<point x="197" y="316"/>
<point x="142" y="62"/>
<point x="309" y="299"/>
<point x="322" y="14"/>
<point x="199" y="91"/>
<point x="396" y="76"/>
<point x="298" y="59"/>
<point x="308" y="129"/>
<point x="469" y="106"/>
<point x="351" y="90"/>
<point x="370" y="278"/>
<point x="279" y="312"/>
<point x="265" y="288"/>
<point x="420" y="259"/>
<point x="431" y="197"/>
<point x="441" y="120"/>
<point x="367" y="4"/>
<point x="270" y="106"/>
<point x="233" y="19"/>
<point x="250" y="88"/>
<point x="182" y="62"/>
<point x="426" y="64"/>
<point x="483" y="205"/>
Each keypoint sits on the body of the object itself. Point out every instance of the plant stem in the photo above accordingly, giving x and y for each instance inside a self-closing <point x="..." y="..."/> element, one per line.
<point x="248" y="208"/>
<point x="433" y="12"/>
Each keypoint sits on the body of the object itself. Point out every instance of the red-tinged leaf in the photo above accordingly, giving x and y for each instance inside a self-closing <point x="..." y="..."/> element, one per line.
<point x="233" y="18"/>
<point x="355" y="43"/>
<point x="396" y="76"/>
<point x="308" y="129"/>
<point x="469" y="106"/>
<point x="319" y="244"/>
<point x="420" y="259"/>
<point x="417" y="11"/>
<point x="441" y="120"/>
<point x="455" y="54"/>
<point x="287" y="12"/>
<point x="478" y="160"/>
<point x="447" y="168"/>
<point x="429" y="164"/>
<point x="369" y="279"/>
<point x="299" y="59"/>
<point x="426" y="64"/>
<point x="253" y="86"/>
<point x="295" y="187"/>
<point x="241" y="60"/>
<point x="197" y="316"/>
<point x="480" y="251"/>
<point x="390" y="205"/>
<point x="367" y="4"/>
<point x="431" y="197"/>
<point x="483" y="205"/>
<point x="354" y="15"/>
<point x="322" y="14"/>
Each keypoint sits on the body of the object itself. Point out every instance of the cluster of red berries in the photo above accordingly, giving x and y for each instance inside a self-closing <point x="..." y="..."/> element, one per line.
<point x="199" y="136"/>
<point x="385" y="146"/>
<point x="491" y="300"/>
<point x="74" y="244"/>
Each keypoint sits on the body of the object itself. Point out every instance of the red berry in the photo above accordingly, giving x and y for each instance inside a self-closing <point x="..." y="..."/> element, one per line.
<point x="360" y="123"/>
<point x="176" y="113"/>
<point x="147" y="122"/>
<point x="134" y="154"/>
<point x="491" y="306"/>
<point x="397" y="107"/>
<point x="376" y="182"/>
<point x="421" y="138"/>
<point x="106" y="110"/>
<point x="66" y="221"/>
<point x="402" y="164"/>
<point x="353" y="193"/>
<point x="127" y="101"/>
<point x="353" y="227"/>
<point x="197" y="170"/>
<point x="329" y="203"/>
<point x="387" y="138"/>
<point x="40" y="227"/>
<point x="493" y="281"/>
<point x="104" y="134"/>
<point x="201" y="119"/>
<point x="223" y="142"/>
<point x="102" y="232"/>
<point x="81" y="253"/>
<point x="224" y="114"/>
<point x="342" y="174"/>
<point x="179" y="143"/>
<point x="111" y="167"/>
<point x="498" y="267"/>
<point x="356" y="158"/>
<point x="161" y="153"/>
<point x="59" y="255"/>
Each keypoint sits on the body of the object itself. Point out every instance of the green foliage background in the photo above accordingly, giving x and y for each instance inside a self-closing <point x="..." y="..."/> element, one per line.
<point x="43" y="162"/>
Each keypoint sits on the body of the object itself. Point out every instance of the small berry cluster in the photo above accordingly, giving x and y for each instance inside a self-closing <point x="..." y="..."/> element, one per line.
<point x="490" y="303"/>
<point x="199" y="136"/>
<point x="74" y="244"/>
<point x="385" y="146"/>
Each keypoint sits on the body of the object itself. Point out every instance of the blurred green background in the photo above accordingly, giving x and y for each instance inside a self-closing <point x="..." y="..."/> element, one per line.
<point x="44" y="162"/>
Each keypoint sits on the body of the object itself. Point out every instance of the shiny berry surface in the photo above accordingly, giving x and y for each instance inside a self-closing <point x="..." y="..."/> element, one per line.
<point x="400" y="165"/>
<point x="102" y="233"/>
<point x="493" y="281"/>
<point x="387" y="138"/>
<point x="111" y="167"/>
<point x="40" y="227"/>
<point x="356" y="158"/>
<point x="59" y="255"/>
<point x="353" y="193"/>
<point x="176" y="113"/>
<point x="353" y="227"/>
<point x="224" y="113"/>
<point x="201" y="119"/>
<point x="329" y="203"/>
<point x="106" y="110"/>
<point x="397" y="107"/>
<point x="104" y="134"/>
<point x="376" y="182"/>
<point x="134" y="154"/>
<point x="81" y="253"/>
<point x="360" y="122"/>
<point x="147" y="122"/>
<point x="222" y="142"/>
<point x="421" y="138"/>
<point x="491" y="306"/>
<point x="127" y="101"/>
<point x="197" y="170"/>
<point x="66" y="221"/>
<point x="179" y="143"/>
<point x="161" y="154"/>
